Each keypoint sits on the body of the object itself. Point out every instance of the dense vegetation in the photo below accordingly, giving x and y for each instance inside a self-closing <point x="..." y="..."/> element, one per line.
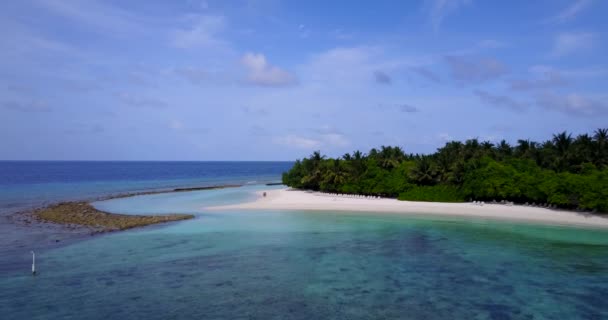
<point x="564" y="172"/>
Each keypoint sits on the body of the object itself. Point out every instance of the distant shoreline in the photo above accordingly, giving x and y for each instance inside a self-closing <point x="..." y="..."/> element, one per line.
<point x="80" y="216"/>
<point x="290" y="199"/>
<point x="145" y="193"/>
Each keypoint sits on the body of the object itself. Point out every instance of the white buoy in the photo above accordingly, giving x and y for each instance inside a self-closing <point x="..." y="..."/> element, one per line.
<point x="33" y="263"/>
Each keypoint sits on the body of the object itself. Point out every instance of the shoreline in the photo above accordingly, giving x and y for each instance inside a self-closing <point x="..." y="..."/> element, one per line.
<point x="16" y="216"/>
<point x="161" y="191"/>
<point x="290" y="199"/>
<point x="56" y="233"/>
<point x="35" y="234"/>
<point x="43" y="234"/>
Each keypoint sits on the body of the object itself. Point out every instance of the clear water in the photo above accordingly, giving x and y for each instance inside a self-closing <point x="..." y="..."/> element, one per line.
<point x="323" y="265"/>
<point x="24" y="184"/>
<point x="27" y="184"/>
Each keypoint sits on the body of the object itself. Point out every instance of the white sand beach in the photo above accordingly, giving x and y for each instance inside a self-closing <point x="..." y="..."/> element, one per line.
<point x="288" y="199"/>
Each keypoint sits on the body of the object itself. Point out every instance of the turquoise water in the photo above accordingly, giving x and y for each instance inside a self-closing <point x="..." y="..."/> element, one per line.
<point x="24" y="184"/>
<point x="322" y="265"/>
<point x="29" y="184"/>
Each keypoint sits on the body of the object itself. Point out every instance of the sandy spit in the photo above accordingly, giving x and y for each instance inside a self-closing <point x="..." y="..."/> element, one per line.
<point x="288" y="199"/>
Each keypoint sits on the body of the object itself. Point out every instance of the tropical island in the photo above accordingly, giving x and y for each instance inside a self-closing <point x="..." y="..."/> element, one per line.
<point x="563" y="172"/>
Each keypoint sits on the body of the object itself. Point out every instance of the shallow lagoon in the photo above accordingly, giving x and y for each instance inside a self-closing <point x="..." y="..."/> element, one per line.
<point x="298" y="265"/>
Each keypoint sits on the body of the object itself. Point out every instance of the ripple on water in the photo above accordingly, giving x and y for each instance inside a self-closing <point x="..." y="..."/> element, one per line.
<point x="262" y="265"/>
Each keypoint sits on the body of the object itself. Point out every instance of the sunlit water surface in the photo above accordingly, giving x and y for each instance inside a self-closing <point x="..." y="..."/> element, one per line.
<point x="297" y="265"/>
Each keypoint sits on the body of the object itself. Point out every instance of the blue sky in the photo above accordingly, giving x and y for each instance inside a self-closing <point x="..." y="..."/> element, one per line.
<point x="276" y="80"/>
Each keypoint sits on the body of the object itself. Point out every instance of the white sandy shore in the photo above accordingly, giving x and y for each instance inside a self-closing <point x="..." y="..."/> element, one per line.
<point x="287" y="199"/>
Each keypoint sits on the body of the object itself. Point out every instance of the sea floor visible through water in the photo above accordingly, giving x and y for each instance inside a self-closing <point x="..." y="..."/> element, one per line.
<point x="303" y="265"/>
<point x="25" y="185"/>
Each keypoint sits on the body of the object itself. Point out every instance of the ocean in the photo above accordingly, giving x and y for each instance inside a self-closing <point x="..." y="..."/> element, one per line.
<point x="33" y="183"/>
<point x="285" y="264"/>
<point x="29" y="184"/>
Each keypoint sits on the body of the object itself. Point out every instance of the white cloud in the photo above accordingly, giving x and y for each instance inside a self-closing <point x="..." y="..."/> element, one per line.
<point x="179" y="126"/>
<point x="382" y="78"/>
<point x="542" y="77"/>
<point x="324" y="138"/>
<point x="21" y="41"/>
<point x="202" y="33"/>
<point x="176" y="125"/>
<point x="303" y="31"/>
<point x="295" y="141"/>
<point x="426" y="73"/>
<point x="573" y="103"/>
<point x="586" y="72"/>
<point x="352" y="66"/>
<point x="331" y="137"/>
<point x="568" y="43"/>
<point x="204" y="5"/>
<point x="500" y="101"/>
<point x="444" y="137"/>
<point x="345" y="56"/>
<point x="28" y="106"/>
<point x="342" y="35"/>
<point x="192" y="74"/>
<point x="106" y="18"/>
<point x="255" y="111"/>
<point x="261" y="73"/>
<point x="474" y="69"/>
<point x="402" y="107"/>
<point x="552" y="76"/>
<point x="334" y="139"/>
<point x="491" y="44"/>
<point x="571" y="11"/>
<point x="139" y="101"/>
<point x="440" y="9"/>
<point x="408" y="108"/>
<point x="83" y="128"/>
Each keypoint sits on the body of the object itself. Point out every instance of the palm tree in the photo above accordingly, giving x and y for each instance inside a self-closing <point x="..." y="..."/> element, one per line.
<point x="584" y="148"/>
<point x="373" y="153"/>
<point x="357" y="164"/>
<point x="424" y="171"/>
<point x="444" y="166"/>
<point x="487" y="145"/>
<point x="534" y="152"/>
<point x="600" y="137"/>
<point x="547" y="155"/>
<point x="504" y="149"/>
<point x="313" y="173"/>
<point x="487" y="149"/>
<point x="523" y="147"/>
<point x="562" y="142"/>
<point x="312" y="179"/>
<point x="390" y="157"/>
<point x="334" y="175"/>
<point x="471" y="149"/>
<point x="446" y="159"/>
<point x="316" y="157"/>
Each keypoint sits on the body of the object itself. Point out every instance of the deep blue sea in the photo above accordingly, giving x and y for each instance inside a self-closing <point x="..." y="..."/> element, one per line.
<point x="31" y="183"/>
<point x="283" y="264"/>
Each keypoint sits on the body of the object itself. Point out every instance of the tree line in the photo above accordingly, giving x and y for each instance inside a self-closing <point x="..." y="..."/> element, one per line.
<point x="565" y="172"/>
